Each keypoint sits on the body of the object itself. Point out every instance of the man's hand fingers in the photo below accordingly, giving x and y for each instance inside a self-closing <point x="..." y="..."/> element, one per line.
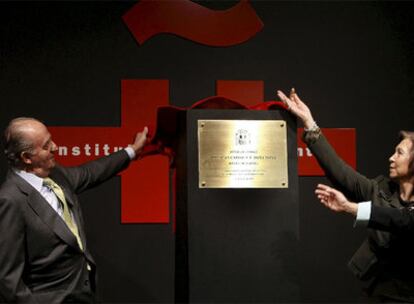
<point x="141" y="137"/>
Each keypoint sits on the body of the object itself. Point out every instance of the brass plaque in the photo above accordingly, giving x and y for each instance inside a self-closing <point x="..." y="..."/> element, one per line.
<point x="242" y="154"/>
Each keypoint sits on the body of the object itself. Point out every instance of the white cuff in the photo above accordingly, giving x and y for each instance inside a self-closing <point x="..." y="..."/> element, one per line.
<point x="131" y="152"/>
<point x="363" y="214"/>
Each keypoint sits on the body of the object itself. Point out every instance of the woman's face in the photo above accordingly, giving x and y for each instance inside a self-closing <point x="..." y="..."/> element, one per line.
<point x="400" y="161"/>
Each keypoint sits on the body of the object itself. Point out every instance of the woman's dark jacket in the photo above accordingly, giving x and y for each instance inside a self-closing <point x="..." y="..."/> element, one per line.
<point x="386" y="257"/>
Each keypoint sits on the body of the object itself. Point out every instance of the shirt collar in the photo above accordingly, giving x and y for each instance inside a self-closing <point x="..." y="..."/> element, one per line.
<point x="34" y="180"/>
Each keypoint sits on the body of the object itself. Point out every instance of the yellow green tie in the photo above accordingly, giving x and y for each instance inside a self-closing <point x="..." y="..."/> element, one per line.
<point x="66" y="213"/>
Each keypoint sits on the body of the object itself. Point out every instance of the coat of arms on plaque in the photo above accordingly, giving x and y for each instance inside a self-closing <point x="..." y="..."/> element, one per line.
<point x="242" y="137"/>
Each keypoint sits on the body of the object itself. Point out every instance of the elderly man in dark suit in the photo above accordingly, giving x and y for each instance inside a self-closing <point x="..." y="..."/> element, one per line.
<point x="386" y="206"/>
<point x="44" y="256"/>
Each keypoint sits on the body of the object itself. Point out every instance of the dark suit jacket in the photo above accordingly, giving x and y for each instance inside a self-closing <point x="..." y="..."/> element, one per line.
<point x="40" y="259"/>
<point x="386" y="257"/>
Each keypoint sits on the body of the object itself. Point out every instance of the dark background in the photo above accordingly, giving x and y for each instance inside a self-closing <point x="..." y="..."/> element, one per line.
<point x="352" y="62"/>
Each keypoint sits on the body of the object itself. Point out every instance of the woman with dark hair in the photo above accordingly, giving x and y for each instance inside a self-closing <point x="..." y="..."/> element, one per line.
<point x="385" y="205"/>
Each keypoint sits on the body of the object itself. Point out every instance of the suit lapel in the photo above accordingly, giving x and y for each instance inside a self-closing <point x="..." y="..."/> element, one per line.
<point x="45" y="212"/>
<point x="74" y="207"/>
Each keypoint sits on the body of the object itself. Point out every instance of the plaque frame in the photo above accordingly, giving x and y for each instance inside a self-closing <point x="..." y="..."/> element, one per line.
<point x="235" y="153"/>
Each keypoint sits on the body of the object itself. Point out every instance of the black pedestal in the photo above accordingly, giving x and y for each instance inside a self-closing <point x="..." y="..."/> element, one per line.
<point x="235" y="245"/>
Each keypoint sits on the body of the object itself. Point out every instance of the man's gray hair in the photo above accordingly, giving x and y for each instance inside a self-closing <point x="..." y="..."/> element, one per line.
<point x="15" y="142"/>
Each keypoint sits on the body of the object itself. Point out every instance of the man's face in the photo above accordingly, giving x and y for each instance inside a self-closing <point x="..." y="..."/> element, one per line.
<point x="400" y="161"/>
<point x="41" y="159"/>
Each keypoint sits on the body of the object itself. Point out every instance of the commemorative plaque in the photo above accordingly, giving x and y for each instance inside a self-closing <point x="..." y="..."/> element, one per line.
<point x="242" y="154"/>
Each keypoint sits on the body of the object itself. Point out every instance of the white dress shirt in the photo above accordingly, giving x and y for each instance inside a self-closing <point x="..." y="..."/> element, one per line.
<point x="363" y="214"/>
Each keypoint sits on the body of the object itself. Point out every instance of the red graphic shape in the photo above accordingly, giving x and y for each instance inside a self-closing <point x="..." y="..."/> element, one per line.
<point x="145" y="191"/>
<point x="192" y="21"/>
<point x="145" y="185"/>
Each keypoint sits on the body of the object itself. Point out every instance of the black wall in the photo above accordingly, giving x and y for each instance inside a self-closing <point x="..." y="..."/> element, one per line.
<point x="351" y="61"/>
